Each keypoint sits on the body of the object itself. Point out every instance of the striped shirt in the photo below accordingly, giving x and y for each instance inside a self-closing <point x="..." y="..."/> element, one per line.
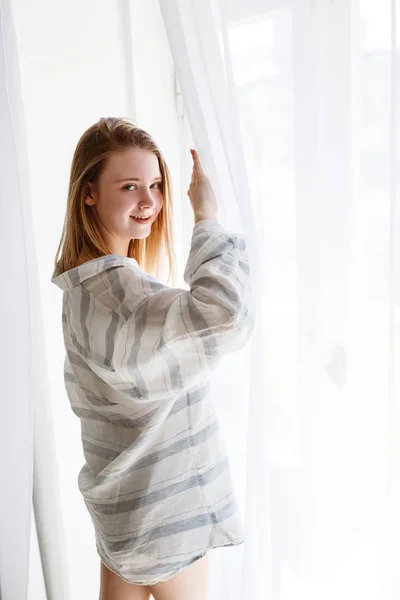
<point x="139" y="354"/>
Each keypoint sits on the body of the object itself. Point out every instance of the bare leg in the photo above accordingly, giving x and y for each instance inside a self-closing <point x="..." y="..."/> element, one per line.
<point x="190" y="584"/>
<point x="112" y="587"/>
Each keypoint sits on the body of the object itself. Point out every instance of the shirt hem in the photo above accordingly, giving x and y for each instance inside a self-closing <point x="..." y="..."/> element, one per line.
<point x="174" y="572"/>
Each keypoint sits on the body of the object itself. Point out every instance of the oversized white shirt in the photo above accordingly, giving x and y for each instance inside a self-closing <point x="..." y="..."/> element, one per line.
<point x="156" y="480"/>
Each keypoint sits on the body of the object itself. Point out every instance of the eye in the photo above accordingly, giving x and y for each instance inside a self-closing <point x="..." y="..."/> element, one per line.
<point x="130" y="185"/>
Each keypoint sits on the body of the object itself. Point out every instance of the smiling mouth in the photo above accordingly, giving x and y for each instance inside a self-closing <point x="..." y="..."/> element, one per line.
<point x="140" y="219"/>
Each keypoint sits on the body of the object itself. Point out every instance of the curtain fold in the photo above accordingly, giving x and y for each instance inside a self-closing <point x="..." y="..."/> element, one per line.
<point x="195" y="38"/>
<point x="16" y="400"/>
<point x="28" y="466"/>
<point x="294" y="106"/>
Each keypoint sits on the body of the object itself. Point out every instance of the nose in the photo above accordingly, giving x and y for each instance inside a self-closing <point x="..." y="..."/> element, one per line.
<point x="146" y="200"/>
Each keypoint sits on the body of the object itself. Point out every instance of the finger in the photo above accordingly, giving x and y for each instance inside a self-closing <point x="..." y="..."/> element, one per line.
<point x="196" y="159"/>
<point x="198" y="166"/>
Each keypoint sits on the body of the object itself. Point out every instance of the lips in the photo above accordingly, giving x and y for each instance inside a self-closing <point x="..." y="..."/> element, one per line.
<point x="140" y="220"/>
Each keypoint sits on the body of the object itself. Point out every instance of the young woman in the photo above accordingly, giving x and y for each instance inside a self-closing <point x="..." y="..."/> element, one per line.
<point x="139" y="353"/>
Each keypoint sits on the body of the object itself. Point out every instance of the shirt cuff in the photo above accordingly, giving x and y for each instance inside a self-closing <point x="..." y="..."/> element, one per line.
<point x="208" y="225"/>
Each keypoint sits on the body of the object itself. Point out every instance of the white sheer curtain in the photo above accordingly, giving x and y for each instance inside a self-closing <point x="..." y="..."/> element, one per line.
<point x="28" y="470"/>
<point x="294" y="105"/>
<point x="15" y="404"/>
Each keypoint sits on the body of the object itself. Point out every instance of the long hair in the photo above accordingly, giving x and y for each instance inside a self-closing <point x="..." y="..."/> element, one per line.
<point x="81" y="230"/>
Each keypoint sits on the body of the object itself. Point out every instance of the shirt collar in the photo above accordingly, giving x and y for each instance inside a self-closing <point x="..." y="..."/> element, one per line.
<point x="77" y="275"/>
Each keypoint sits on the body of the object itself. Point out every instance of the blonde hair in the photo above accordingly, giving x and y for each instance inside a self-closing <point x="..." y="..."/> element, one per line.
<point x="81" y="232"/>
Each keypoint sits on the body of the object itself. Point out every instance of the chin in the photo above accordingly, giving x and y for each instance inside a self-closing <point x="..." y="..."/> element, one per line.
<point x="141" y="235"/>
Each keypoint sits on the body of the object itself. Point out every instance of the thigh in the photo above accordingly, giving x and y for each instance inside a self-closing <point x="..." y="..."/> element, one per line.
<point x="190" y="584"/>
<point x="112" y="587"/>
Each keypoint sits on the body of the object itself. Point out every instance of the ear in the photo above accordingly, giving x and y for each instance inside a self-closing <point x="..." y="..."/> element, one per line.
<point x="89" y="194"/>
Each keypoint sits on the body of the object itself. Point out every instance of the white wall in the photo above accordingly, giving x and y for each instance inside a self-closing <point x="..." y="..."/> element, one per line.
<point x="76" y="66"/>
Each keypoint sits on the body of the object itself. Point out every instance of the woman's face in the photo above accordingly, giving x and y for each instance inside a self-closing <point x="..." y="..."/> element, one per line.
<point x="129" y="186"/>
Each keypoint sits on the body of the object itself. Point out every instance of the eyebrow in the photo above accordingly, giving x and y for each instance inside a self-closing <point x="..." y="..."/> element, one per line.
<point x="137" y="179"/>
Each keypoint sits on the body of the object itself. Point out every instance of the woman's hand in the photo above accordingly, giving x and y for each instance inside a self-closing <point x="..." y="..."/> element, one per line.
<point x="201" y="193"/>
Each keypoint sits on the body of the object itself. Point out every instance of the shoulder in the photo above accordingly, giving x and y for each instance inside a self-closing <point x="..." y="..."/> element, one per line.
<point x="123" y="287"/>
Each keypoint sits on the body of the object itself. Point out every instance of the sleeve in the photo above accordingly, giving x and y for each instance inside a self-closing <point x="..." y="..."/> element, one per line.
<point x="175" y="337"/>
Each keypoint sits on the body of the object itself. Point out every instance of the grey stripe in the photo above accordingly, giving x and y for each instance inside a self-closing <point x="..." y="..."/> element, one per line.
<point x="160" y="455"/>
<point x="68" y="306"/>
<point x="83" y="351"/>
<point x="75" y="359"/>
<point x="196" y="254"/>
<point x="64" y="308"/>
<point x="222" y="248"/>
<point x="209" y="249"/>
<point x="201" y="326"/>
<point x="239" y="242"/>
<point x="85" y="413"/>
<point x="69" y="377"/>
<point x="99" y="451"/>
<point x="110" y="261"/>
<point x="111" y="333"/>
<point x="84" y="309"/>
<point x="140" y="422"/>
<point x="174" y="366"/>
<point x="191" y="398"/>
<point x="118" y="290"/>
<point x="220" y="291"/>
<point x="149" y="487"/>
<point x="73" y="275"/>
<point x="97" y="400"/>
<point x="122" y="506"/>
<point x="231" y="261"/>
<point x="92" y="415"/>
<point x="163" y="531"/>
<point x="193" y="440"/>
<point x="140" y="320"/>
<point x="150" y="498"/>
<point x="132" y="392"/>
<point x="155" y="285"/>
<point x="198" y="241"/>
<point x="85" y="305"/>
